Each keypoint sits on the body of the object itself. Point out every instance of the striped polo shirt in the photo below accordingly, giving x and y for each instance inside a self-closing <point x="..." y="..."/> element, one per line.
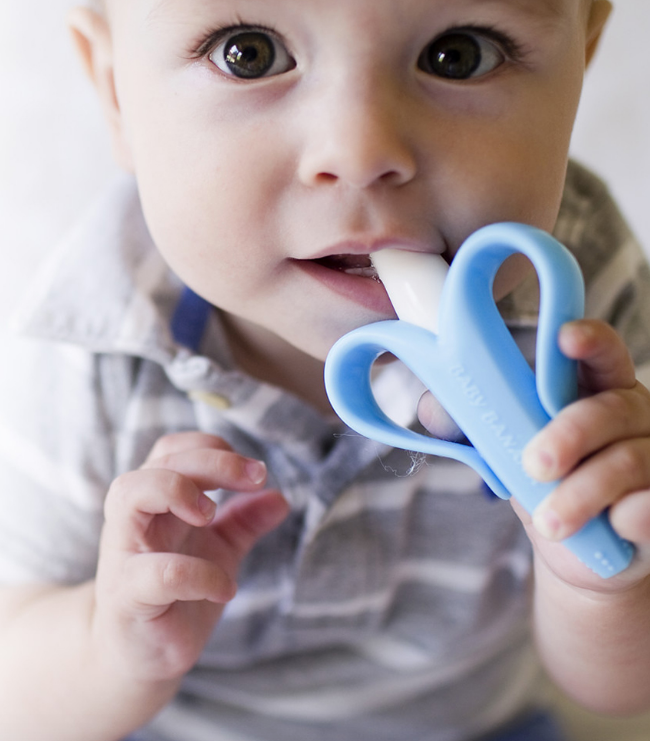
<point x="394" y="601"/>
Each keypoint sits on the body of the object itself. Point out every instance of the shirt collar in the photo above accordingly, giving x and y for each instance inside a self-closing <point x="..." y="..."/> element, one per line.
<point x="105" y="286"/>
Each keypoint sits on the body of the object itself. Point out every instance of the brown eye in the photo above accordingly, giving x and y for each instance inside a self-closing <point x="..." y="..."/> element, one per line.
<point x="460" y="56"/>
<point x="251" y="54"/>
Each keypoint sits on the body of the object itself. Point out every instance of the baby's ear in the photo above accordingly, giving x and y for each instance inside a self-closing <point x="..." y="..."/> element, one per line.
<point x="598" y="14"/>
<point x="91" y="35"/>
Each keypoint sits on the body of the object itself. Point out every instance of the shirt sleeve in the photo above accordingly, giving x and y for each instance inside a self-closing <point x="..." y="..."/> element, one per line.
<point x="615" y="267"/>
<point x="56" y="462"/>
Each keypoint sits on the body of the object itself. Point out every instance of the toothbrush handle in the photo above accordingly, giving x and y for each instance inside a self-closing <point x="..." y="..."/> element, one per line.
<point x="475" y="369"/>
<point x="497" y="441"/>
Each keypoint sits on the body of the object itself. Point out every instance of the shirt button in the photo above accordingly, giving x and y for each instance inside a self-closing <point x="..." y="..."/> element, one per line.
<point x="216" y="401"/>
<point x="198" y="365"/>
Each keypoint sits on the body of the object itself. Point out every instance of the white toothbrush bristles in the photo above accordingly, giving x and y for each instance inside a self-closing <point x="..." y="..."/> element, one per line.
<point x="413" y="281"/>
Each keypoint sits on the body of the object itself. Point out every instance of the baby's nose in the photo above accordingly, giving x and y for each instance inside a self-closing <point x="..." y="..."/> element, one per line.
<point x="358" y="137"/>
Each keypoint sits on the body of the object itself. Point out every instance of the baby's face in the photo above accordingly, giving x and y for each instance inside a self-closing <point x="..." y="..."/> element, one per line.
<point x="277" y="144"/>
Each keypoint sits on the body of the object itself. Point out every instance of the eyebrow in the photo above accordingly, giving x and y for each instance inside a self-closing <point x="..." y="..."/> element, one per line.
<point x="156" y="8"/>
<point x="552" y="8"/>
<point x="548" y="8"/>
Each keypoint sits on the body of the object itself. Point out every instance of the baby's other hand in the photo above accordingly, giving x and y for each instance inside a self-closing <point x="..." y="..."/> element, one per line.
<point x="600" y="447"/>
<point x="169" y="557"/>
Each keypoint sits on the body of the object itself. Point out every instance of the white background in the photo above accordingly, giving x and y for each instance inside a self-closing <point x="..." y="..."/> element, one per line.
<point x="54" y="156"/>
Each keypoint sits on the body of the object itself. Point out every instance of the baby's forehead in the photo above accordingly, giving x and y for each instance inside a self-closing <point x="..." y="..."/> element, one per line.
<point x="554" y="7"/>
<point x="98" y="4"/>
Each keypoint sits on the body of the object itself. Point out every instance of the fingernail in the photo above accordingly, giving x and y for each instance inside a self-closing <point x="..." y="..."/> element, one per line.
<point x="547" y="523"/>
<point x="538" y="463"/>
<point x="206" y="506"/>
<point x="256" y="471"/>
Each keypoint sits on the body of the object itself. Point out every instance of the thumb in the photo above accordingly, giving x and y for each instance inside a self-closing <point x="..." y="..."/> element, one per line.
<point x="605" y="361"/>
<point x="246" y="518"/>
<point x="435" y="419"/>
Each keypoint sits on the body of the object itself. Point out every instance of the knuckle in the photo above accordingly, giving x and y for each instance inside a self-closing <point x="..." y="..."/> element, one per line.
<point x="230" y="466"/>
<point x="174" y="575"/>
<point x="175" y="488"/>
<point x="178" y="442"/>
<point x="151" y="488"/>
<point x="218" y="442"/>
<point x="580" y="504"/>
<point x="120" y="494"/>
<point x="626" y="459"/>
<point x="570" y="434"/>
<point x="165" y="445"/>
<point x="165" y="461"/>
<point x="178" y="657"/>
<point x="573" y="498"/>
<point x="615" y="405"/>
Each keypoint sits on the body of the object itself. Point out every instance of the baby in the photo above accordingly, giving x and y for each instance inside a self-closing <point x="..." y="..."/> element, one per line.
<point x="270" y="146"/>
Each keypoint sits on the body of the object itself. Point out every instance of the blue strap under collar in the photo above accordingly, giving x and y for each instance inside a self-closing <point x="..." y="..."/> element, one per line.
<point x="189" y="319"/>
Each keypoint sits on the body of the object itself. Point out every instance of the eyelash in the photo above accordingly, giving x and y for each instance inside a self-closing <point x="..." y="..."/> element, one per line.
<point x="208" y="41"/>
<point x="514" y="51"/>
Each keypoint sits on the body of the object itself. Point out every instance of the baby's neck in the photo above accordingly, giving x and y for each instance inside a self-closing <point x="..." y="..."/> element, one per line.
<point x="267" y="357"/>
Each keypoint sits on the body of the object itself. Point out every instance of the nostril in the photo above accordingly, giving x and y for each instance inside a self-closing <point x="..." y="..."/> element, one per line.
<point x="326" y="177"/>
<point x="357" y="161"/>
<point x="391" y="177"/>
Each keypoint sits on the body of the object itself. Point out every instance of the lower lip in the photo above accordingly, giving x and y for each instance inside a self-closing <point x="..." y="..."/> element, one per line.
<point x="366" y="292"/>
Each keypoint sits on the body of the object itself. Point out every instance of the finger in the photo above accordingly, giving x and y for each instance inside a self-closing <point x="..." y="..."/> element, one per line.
<point x="211" y="468"/>
<point x="435" y="418"/>
<point x="630" y="517"/>
<point x="159" y="579"/>
<point x="598" y="483"/>
<point x="605" y="360"/>
<point x="585" y="427"/>
<point x="244" y="519"/>
<point x="180" y="442"/>
<point x="175" y="484"/>
<point x="135" y="498"/>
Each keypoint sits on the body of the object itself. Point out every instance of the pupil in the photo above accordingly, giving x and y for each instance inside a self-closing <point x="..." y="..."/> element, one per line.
<point x="249" y="55"/>
<point x="456" y="56"/>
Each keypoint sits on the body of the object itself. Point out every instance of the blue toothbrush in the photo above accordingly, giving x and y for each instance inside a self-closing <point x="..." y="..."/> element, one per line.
<point x="468" y="359"/>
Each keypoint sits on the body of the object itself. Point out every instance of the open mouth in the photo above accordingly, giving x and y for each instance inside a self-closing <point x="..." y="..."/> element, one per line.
<point x="352" y="276"/>
<point x="350" y="264"/>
